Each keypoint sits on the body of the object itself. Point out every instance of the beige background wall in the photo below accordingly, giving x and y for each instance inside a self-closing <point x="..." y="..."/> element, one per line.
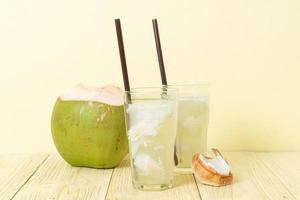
<point x="248" y="50"/>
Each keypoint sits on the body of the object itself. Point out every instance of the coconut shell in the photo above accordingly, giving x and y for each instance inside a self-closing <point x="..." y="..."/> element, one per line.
<point x="207" y="175"/>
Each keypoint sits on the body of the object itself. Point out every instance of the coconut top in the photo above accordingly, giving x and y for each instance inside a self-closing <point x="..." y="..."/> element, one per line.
<point x="108" y="94"/>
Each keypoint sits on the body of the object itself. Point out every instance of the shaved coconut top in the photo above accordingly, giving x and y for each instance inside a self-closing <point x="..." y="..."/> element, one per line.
<point x="109" y="94"/>
<point x="217" y="163"/>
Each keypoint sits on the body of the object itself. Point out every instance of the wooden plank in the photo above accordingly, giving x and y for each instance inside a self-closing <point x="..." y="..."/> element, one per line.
<point x="286" y="166"/>
<point x="15" y="170"/>
<point x="58" y="180"/>
<point x="243" y="186"/>
<point x="121" y="187"/>
<point x="268" y="181"/>
<point x="252" y="180"/>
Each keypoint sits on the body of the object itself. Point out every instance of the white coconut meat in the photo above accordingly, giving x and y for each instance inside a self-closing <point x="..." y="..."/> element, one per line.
<point x="109" y="94"/>
<point x="217" y="163"/>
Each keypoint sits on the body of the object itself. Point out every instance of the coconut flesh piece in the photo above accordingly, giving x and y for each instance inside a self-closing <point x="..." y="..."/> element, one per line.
<point x="212" y="171"/>
<point x="109" y="94"/>
<point x="217" y="163"/>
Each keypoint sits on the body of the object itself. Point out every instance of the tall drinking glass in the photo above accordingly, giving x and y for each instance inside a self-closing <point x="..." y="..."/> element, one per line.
<point x="193" y="115"/>
<point x="151" y="122"/>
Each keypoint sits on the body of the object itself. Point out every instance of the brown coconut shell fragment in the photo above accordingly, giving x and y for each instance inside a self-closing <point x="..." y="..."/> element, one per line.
<point x="208" y="175"/>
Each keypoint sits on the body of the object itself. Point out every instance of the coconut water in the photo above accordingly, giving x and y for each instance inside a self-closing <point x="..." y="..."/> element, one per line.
<point x="193" y="115"/>
<point x="151" y="130"/>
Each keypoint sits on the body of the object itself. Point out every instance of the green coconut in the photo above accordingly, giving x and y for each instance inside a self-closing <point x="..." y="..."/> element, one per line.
<point x="88" y="127"/>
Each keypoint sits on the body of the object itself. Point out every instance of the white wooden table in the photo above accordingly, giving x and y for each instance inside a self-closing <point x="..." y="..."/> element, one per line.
<point x="48" y="177"/>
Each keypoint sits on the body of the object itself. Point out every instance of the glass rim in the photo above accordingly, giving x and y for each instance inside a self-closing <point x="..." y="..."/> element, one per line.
<point x="192" y="90"/>
<point x="204" y="84"/>
<point x="141" y="90"/>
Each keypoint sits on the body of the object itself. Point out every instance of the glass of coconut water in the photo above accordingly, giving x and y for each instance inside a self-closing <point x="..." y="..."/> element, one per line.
<point x="193" y="115"/>
<point x="151" y="122"/>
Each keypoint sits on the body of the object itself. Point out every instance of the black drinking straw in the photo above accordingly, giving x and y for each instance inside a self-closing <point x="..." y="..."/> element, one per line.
<point x="159" y="53"/>
<point x="122" y="55"/>
<point x="161" y="65"/>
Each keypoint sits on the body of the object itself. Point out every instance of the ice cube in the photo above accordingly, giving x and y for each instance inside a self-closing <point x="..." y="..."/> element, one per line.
<point x="192" y="122"/>
<point x="146" y="165"/>
<point x="145" y="119"/>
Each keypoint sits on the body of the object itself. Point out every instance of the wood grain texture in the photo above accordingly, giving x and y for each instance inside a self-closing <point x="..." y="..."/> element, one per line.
<point x="121" y="187"/>
<point x="286" y="166"/>
<point x="252" y="180"/>
<point x="256" y="176"/>
<point x="15" y="170"/>
<point x="57" y="180"/>
<point x="269" y="182"/>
